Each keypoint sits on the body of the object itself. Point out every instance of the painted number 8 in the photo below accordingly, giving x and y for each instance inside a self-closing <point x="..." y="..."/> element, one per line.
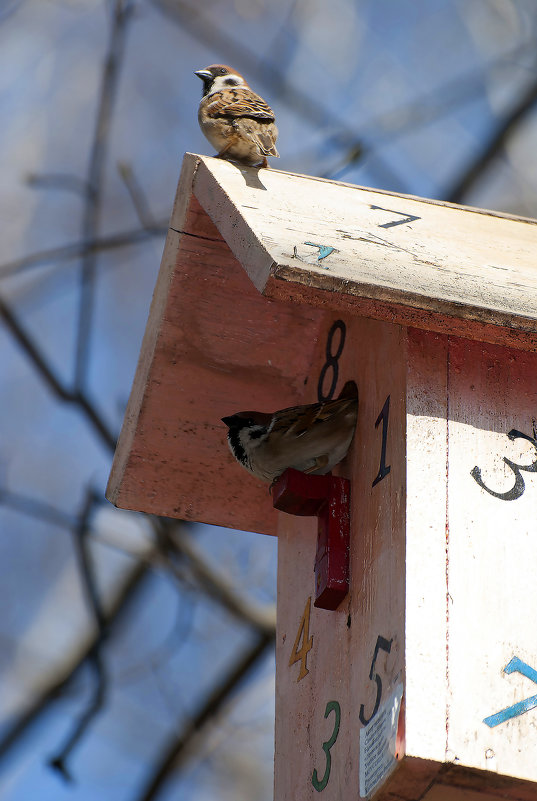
<point x="331" y="361"/>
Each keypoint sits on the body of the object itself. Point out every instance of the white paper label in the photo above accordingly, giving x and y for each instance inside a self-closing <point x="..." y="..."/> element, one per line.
<point x="377" y="744"/>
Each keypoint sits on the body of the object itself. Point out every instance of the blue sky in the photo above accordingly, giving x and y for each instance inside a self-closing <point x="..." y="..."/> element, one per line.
<point x="421" y="85"/>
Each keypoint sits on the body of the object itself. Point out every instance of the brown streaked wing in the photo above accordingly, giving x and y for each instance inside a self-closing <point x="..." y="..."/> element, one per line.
<point x="239" y="103"/>
<point x="296" y="420"/>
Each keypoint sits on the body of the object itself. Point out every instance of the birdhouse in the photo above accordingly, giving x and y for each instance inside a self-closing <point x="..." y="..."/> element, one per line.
<point x="406" y="657"/>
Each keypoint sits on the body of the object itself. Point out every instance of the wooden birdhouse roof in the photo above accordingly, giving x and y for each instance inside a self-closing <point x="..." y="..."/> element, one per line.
<point x="254" y="262"/>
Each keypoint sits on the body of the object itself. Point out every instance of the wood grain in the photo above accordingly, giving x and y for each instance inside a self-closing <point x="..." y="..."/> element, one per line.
<point x="452" y="261"/>
<point x="491" y="617"/>
<point x="343" y="641"/>
<point x="441" y="316"/>
<point x="213" y="346"/>
<point x="426" y="591"/>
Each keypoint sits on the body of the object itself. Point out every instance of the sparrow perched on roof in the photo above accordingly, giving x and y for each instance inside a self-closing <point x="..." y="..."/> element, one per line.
<point x="312" y="439"/>
<point x="236" y="121"/>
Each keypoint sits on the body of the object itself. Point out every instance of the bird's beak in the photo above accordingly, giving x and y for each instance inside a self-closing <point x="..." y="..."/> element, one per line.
<point x="205" y="75"/>
<point x="228" y="421"/>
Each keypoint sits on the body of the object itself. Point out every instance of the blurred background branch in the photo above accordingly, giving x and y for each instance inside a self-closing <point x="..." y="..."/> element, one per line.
<point x="137" y="654"/>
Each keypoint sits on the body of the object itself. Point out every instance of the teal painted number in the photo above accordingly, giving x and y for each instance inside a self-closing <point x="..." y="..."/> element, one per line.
<point x="332" y="706"/>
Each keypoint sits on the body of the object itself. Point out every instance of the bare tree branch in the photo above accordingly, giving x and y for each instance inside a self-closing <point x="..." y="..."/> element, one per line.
<point x="77" y="249"/>
<point x="178" y="748"/>
<point x="48" y="375"/>
<point x="59" y="762"/>
<point x="58" y="180"/>
<point x="121" y="15"/>
<point x="201" y="25"/>
<point x="139" y="200"/>
<point x="175" y="541"/>
<point x="95" y="658"/>
<point x="131" y="585"/>
<point x="35" y="508"/>
<point x="497" y="140"/>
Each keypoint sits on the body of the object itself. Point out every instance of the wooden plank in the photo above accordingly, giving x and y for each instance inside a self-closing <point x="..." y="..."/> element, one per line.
<point x="147" y="352"/>
<point x="442" y="792"/>
<point x="491" y="785"/>
<point x="426" y="590"/>
<point x="343" y="644"/>
<point x="492" y="552"/>
<point x="434" y="257"/>
<point x="330" y="298"/>
<point x="213" y="346"/>
<point x="420" y="779"/>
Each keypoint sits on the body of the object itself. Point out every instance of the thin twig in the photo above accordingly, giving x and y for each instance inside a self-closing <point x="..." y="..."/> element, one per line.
<point x="94" y="659"/>
<point x="129" y="588"/>
<point x="497" y="140"/>
<point x="57" y="180"/>
<point x="137" y="195"/>
<point x="77" y="249"/>
<point x="176" y="751"/>
<point x="340" y="134"/>
<point x="49" y="376"/>
<point x="309" y="107"/>
<point x="33" y="507"/>
<point x="59" y="761"/>
<point x="95" y="178"/>
<point x="175" y="541"/>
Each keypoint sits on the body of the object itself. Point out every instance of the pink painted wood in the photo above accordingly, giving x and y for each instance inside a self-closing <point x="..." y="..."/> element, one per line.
<point x="441" y="564"/>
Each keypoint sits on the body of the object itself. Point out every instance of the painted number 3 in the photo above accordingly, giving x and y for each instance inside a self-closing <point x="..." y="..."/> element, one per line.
<point x="320" y="784"/>
<point x="518" y="487"/>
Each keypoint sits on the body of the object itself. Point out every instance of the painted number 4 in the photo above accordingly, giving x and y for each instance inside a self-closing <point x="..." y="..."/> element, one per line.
<point x="300" y="654"/>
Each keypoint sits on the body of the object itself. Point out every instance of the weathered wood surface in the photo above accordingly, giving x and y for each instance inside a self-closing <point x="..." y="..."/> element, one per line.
<point x="470" y="555"/>
<point x="344" y="641"/>
<point x="440" y="567"/>
<point x="426" y="780"/>
<point x="213" y="346"/>
<point x="426" y="690"/>
<point x="400" y="258"/>
<point x="438" y="564"/>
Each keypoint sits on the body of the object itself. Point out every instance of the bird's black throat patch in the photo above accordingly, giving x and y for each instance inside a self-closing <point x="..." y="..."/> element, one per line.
<point x="236" y="445"/>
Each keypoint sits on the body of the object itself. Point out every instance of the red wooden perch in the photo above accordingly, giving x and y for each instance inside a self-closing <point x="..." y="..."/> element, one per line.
<point x="328" y="499"/>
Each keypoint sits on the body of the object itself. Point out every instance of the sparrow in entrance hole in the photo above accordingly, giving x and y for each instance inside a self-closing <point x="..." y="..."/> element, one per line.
<point x="236" y="121"/>
<point x="312" y="439"/>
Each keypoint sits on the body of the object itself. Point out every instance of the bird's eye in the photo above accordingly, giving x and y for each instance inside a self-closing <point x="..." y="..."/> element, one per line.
<point x="223" y="71"/>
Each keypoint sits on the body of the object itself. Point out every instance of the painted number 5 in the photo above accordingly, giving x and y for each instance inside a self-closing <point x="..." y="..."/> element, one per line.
<point x="384" y="645"/>
<point x="320" y="784"/>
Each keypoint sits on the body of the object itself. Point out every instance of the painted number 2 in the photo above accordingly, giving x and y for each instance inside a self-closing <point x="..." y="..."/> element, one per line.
<point x="320" y="784"/>
<point x="518" y="487"/>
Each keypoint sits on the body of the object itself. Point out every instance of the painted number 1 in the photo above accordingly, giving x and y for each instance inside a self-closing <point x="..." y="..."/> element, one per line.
<point x="384" y="469"/>
<point x="320" y="784"/>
